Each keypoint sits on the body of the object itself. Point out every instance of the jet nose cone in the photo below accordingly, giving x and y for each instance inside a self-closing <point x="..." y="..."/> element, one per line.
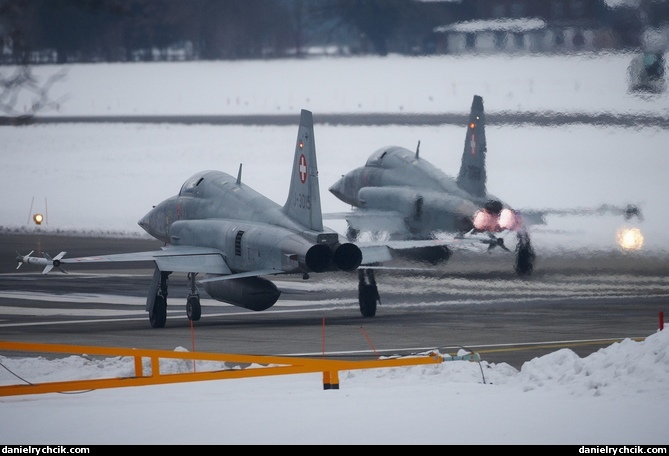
<point x="155" y="222"/>
<point x="343" y="190"/>
<point x="337" y="188"/>
<point x="144" y="222"/>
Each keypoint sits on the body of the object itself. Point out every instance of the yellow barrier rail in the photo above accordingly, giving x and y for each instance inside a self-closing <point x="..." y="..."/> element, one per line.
<point x="268" y="365"/>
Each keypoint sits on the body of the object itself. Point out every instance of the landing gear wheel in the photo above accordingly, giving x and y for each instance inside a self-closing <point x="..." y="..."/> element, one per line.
<point x="158" y="315"/>
<point x="525" y="256"/>
<point x="368" y="293"/>
<point x="193" y="308"/>
<point x="367" y="298"/>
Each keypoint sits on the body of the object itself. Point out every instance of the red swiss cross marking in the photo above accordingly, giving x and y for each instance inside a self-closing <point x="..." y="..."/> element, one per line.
<point x="303" y="169"/>
<point x="472" y="145"/>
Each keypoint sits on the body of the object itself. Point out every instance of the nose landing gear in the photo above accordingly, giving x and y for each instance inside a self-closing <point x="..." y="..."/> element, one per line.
<point x="193" y="308"/>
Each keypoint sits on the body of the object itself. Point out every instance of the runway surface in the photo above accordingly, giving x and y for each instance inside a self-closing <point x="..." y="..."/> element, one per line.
<point x="474" y="301"/>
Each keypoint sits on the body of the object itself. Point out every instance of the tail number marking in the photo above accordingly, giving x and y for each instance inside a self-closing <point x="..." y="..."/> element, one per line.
<point x="302" y="201"/>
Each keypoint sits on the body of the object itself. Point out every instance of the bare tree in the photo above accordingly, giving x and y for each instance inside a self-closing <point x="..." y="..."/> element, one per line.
<point x="18" y="84"/>
<point x="21" y="84"/>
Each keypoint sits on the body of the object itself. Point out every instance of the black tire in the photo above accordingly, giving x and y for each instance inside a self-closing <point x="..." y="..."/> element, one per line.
<point x="525" y="261"/>
<point x="367" y="296"/>
<point x="193" y="308"/>
<point x="158" y="316"/>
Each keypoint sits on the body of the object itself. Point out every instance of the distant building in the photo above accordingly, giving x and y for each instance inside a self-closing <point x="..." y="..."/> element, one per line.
<point x="528" y="26"/>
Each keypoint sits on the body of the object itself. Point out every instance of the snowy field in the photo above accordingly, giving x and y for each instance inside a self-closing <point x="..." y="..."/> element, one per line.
<point x="590" y="83"/>
<point x="616" y="396"/>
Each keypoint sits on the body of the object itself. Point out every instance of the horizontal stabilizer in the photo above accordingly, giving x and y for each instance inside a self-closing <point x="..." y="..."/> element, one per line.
<point x="382" y="251"/>
<point x="370" y="220"/>
<point x="374" y="254"/>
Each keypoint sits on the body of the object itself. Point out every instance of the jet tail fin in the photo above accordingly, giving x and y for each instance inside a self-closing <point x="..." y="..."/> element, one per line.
<point x="472" y="176"/>
<point x="304" y="200"/>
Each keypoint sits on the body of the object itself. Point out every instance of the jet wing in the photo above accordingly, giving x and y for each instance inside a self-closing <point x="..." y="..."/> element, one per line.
<point x="538" y="216"/>
<point x="173" y="258"/>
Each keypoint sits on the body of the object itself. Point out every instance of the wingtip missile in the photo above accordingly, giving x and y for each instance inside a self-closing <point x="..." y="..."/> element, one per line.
<point x="54" y="262"/>
<point x="23" y="258"/>
<point x="48" y="262"/>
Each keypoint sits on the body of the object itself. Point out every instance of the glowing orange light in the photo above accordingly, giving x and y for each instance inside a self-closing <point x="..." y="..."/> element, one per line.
<point x="301" y="145"/>
<point x="38" y="218"/>
<point x="472" y="125"/>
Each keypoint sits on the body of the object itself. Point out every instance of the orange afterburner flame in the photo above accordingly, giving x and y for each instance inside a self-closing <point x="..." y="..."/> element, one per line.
<point x="507" y="219"/>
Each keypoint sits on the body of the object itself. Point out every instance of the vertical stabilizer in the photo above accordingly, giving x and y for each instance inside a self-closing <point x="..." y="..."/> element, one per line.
<point x="472" y="176"/>
<point x="304" y="200"/>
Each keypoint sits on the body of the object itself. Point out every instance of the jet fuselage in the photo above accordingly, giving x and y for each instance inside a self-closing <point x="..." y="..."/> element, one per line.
<point x="395" y="180"/>
<point x="214" y="210"/>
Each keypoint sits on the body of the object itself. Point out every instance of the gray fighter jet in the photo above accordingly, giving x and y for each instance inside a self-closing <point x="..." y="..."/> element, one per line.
<point x="219" y="227"/>
<point x="399" y="193"/>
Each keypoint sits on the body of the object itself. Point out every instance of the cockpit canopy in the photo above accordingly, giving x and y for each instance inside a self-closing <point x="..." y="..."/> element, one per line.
<point x="390" y="157"/>
<point x="191" y="186"/>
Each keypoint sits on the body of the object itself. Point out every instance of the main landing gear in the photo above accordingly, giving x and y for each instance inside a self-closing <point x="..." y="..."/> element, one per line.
<point x="525" y="255"/>
<point x="157" y="301"/>
<point x="368" y="293"/>
<point x="157" y="306"/>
